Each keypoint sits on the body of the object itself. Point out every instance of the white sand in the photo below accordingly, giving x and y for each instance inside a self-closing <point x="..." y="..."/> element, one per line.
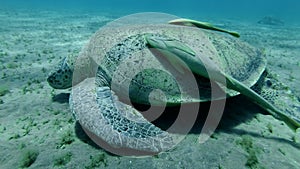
<point x="31" y="44"/>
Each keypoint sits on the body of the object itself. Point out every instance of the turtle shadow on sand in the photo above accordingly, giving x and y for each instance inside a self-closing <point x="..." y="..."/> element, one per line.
<point x="237" y="110"/>
<point x="61" y="98"/>
<point x="81" y="135"/>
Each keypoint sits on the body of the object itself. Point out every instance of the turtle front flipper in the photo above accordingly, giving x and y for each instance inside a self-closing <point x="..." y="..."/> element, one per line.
<point x="203" y="25"/>
<point x="99" y="111"/>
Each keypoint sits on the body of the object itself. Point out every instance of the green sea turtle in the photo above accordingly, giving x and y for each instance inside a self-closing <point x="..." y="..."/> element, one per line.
<point x="134" y="60"/>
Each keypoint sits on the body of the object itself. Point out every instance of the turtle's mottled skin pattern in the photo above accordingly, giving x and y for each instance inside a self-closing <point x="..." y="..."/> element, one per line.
<point x="112" y="50"/>
<point x="109" y="68"/>
<point x="62" y="77"/>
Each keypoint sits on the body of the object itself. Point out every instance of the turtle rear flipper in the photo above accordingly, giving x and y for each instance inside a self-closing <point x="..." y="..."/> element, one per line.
<point x="278" y="94"/>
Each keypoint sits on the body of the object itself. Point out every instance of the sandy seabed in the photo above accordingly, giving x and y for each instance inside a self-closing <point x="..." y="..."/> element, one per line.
<point x="37" y="129"/>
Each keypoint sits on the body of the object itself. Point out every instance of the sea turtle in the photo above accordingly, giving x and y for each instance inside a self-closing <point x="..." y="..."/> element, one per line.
<point x="134" y="60"/>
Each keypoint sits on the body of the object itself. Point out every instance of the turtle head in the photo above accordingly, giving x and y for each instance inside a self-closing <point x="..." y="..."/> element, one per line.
<point x="61" y="77"/>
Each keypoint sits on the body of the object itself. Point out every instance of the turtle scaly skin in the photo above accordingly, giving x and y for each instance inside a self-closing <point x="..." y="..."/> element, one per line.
<point x="118" y="64"/>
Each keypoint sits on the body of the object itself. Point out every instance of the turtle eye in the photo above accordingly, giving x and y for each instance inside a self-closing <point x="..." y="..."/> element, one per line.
<point x="269" y="83"/>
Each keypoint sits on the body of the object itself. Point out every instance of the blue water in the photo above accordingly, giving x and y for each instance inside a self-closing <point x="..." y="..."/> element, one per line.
<point x="287" y="10"/>
<point x="32" y="114"/>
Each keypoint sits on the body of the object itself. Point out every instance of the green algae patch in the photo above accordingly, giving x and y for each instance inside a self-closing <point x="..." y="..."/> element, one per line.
<point x="66" y="139"/>
<point x="63" y="159"/>
<point x="3" y="90"/>
<point x="28" y="157"/>
<point x="246" y="143"/>
<point x="97" y="161"/>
